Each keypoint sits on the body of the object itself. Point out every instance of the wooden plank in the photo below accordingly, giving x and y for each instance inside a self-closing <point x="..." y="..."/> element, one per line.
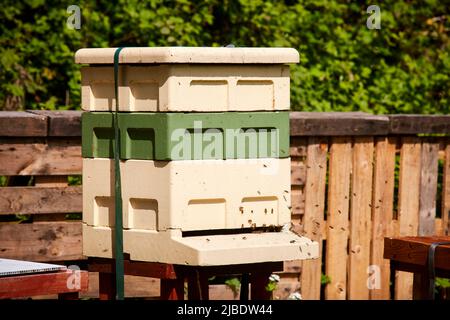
<point x="40" y="200"/>
<point x="62" y="123"/>
<point x="297" y="200"/>
<point x="414" y="250"/>
<point x="382" y="213"/>
<point x="22" y="124"/>
<point x="222" y="292"/>
<point x="298" y="146"/>
<point x="289" y="284"/>
<point x="136" y="268"/>
<point x="42" y="283"/>
<point x="51" y="181"/>
<point x="44" y="241"/>
<point x="360" y="218"/>
<point x="337" y="124"/>
<point x="294" y="266"/>
<point x="438" y="227"/>
<point x="408" y="205"/>
<point x="415" y="123"/>
<point x="428" y="188"/>
<point x="313" y="220"/>
<point x="337" y="217"/>
<point x="297" y="225"/>
<point x="446" y="192"/>
<point x="29" y="156"/>
<point x="298" y="173"/>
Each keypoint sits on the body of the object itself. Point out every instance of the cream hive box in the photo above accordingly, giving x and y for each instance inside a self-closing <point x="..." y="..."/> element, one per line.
<point x="187" y="79"/>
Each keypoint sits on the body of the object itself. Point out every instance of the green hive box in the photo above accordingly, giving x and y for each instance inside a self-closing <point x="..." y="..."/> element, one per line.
<point x="187" y="136"/>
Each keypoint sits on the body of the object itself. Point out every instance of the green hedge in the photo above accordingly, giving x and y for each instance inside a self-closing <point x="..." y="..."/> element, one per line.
<point x="402" y="68"/>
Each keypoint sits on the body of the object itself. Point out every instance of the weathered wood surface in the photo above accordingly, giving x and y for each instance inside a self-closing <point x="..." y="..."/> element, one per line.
<point x="337" y="218"/>
<point x="414" y="250"/>
<point x="414" y="123"/>
<point x="360" y="218"/>
<point x="37" y="156"/>
<point x="297" y="200"/>
<point x="298" y="173"/>
<point x="36" y="200"/>
<point x="42" y="283"/>
<point x="43" y="241"/>
<point x="36" y="123"/>
<point x="408" y="204"/>
<point x="337" y="124"/>
<point x="298" y="146"/>
<point x="428" y="188"/>
<point x="382" y="214"/>
<point x="22" y="124"/>
<point x="62" y="123"/>
<point x="313" y="221"/>
<point x="446" y="193"/>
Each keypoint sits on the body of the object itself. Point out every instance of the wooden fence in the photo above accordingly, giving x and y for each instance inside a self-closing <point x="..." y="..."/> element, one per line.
<point x="356" y="178"/>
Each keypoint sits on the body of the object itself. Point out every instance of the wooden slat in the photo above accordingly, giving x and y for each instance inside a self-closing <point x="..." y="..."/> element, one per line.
<point x="51" y="181"/>
<point x="414" y="124"/>
<point x="382" y="213"/>
<point x="298" y="173"/>
<point x="35" y="200"/>
<point x="438" y="227"/>
<point x="294" y="266"/>
<point x="39" y="284"/>
<point x="337" y="217"/>
<point x="428" y="188"/>
<point x="337" y="124"/>
<point x="135" y="287"/>
<point x="44" y="241"/>
<point x="297" y="200"/>
<point x="313" y="220"/>
<point x="446" y="192"/>
<point x="408" y="204"/>
<point x="62" y="123"/>
<point x="30" y="156"/>
<point x="297" y="225"/>
<point x="360" y="218"/>
<point x="289" y="283"/>
<point x="22" y="124"/>
<point x="298" y="147"/>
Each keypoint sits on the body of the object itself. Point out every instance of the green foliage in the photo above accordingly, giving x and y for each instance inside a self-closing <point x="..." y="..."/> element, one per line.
<point x="234" y="284"/>
<point x="442" y="283"/>
<point x="73" y="216"/>
<point x="74" y="180"/>
<point x="402" y="68"/>
<point x="324" y="279"/>
<point x="271" y="286"/>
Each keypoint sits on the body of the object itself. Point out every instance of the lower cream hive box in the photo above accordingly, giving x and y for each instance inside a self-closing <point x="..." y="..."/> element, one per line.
<point x="200" y="212"/>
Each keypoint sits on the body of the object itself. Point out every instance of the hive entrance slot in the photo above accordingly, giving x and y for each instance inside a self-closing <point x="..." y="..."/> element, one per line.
<point x="217" y="232"/>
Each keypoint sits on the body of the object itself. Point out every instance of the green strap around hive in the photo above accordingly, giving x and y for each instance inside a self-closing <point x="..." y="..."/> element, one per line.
<point x="118" y="190"/>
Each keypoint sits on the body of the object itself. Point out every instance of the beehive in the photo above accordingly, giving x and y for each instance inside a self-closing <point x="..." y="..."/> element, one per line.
<point x="204" y="155"/>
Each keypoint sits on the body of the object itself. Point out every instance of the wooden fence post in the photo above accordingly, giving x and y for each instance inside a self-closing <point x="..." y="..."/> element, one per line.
<point x="316" y="164"/>
<point x="337" y="217"/>
<point x="382" y="212"/>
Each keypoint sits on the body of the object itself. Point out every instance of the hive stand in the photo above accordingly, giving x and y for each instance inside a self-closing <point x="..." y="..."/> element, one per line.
<point x="173" y="278"/>
<point x="410" y="254"/>
<point x="45" y="283"/>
